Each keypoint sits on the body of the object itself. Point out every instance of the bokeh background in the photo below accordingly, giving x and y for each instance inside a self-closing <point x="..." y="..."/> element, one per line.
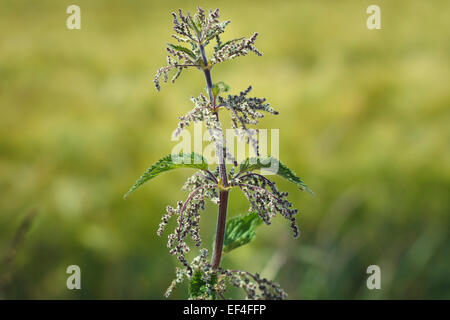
<point x="364" y="120"/>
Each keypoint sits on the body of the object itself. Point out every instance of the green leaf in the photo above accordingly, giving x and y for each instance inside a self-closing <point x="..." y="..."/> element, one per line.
<point x="183" y="49"/>
<point x="240" y="230"/>
<point x="197" y="287"/>
<point x="222" y="86"/>
<point x="256" y="163"/>
<point x="170" y="162"/>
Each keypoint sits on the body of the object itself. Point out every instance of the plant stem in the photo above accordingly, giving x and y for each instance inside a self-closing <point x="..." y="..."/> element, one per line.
<point x="223" y="197"/>
<point x="220" y="231"/>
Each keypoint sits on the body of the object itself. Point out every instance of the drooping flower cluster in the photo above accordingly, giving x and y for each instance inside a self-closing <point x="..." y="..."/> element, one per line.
<point x="213" y="283"/>
<point x="202" y="178"/>
<point x="188" y="213"/>
<point x="266" y="199"/>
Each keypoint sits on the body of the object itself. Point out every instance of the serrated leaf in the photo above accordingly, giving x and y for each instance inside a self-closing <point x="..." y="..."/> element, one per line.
<point x="183" y="49"/>
<point x="197" y="286"/>
<point x="170" y="162"/>
<point x="256" y="163"/>
<point x="240" y="230"/>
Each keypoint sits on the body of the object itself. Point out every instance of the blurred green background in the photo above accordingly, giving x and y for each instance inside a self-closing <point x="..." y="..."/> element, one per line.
<point x="364" y="120"/>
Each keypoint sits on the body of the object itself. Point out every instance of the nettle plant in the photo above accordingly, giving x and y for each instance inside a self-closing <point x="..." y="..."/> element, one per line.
<point x="207" y="279"/>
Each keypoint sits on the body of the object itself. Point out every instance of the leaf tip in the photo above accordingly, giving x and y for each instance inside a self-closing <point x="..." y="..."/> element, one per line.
<point x="305" y="188"/>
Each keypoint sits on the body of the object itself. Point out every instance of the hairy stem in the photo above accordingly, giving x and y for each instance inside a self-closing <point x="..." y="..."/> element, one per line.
<point x="223" y="203"/>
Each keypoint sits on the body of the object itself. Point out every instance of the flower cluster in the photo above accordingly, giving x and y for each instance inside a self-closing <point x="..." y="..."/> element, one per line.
<point x="214" y="282"/>
<point x="246" y="111"/>
<point x="179" y="58"/>
<point x="234" y="48"/>
<point x="188" y="213"/>
<point x="202" y="178"/>
<point x="200" y="112"/>
<point x="203" y="111"/>
<point x="200" y="27"/>
<point x="198" y="31"/>
<point x="266" y="203"/>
